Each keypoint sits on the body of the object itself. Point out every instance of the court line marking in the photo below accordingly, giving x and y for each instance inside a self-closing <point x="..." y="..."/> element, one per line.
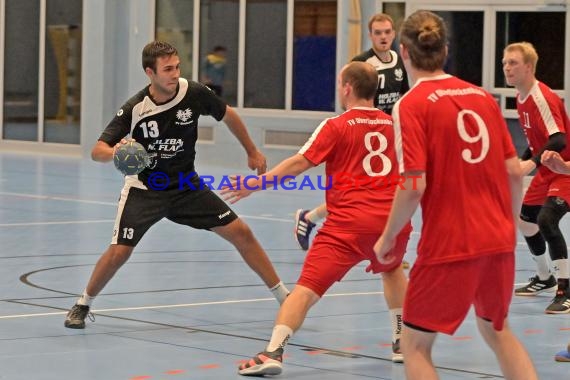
<point x="194" y="304"/>
<point x="240" y="336"/>
<point x="36" y="196"/>
<point x="174" y="306"/>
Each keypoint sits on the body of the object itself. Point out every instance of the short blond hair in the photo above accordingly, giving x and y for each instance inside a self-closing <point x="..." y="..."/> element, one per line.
<point x="379" y="17"/>
<point x="527" y="50"/>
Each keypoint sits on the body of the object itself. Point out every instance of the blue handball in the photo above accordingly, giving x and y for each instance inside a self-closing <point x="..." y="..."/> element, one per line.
<point x="131" y="158"/>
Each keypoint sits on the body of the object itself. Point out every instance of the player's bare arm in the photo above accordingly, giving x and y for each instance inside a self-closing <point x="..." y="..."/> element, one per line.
<point x="515" y="181"/>
<point x="406" y="201"/>
<point x="292" y="166"/>
<point x="255" y="159"/>
<point x="103" y="152"/>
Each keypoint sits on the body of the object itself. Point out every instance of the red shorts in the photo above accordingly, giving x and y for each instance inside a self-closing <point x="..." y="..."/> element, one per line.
<point x="547" y="184"/>
<point x="440" y="296"/>
<point x="333" y="254"/>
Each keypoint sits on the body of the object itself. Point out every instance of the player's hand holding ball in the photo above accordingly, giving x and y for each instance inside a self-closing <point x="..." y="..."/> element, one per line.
<point x="130" y="157"/>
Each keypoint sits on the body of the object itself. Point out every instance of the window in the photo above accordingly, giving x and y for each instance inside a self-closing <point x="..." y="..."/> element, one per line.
<point x="314" y="55"/>
<point x="62" y="83"/>
<point x="261" y="52"/>
<point x="174" y="24"/>
<point x="21" y="68"/>
<point x="219" y="26"/>
<point x="465" y="57"/>
<point x="265" y="53"/>
<point x="549" y="43"/>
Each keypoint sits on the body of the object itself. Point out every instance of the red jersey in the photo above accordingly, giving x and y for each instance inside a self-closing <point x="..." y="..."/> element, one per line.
<point x="455" y="133"/>
<point x="541" y="114"/>
<point x="358" y="148"/>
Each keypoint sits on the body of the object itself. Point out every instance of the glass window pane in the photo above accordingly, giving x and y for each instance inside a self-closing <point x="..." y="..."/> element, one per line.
<point x="398" y="13"/>
<point x="174" y="24"/>
<point x="219" y="27"/>
<point x="21" y="70"/>
<point x="63" y="72"/>
<point x="265" y="48"/>
<point x="314" y="55"/>
<point x="465" y="57"/>
<point x="549" y="43"/>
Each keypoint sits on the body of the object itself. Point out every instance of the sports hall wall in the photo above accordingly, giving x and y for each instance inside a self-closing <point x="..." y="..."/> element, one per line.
<point x="114" y="32"/>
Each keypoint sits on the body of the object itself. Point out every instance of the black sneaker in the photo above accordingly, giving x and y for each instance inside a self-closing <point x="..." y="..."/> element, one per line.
<point x="75" y="318"/>
<point x="560" y="303"/>
<point x="537" y="286"/>
<point x="264" y="363"/>
<point x="303" y="229"/>
<point x="397" y="356"/>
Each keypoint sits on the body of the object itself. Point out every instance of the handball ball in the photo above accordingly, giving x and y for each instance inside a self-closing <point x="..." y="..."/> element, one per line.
<point x="131" y="158"/>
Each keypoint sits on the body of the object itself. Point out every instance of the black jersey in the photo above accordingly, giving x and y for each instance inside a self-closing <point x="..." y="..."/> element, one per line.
<point x="167" y="131"/>
<point x="392" y="79"/>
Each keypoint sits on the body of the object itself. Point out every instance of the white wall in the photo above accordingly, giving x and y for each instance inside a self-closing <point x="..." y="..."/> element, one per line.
<point x="114" y="33"/>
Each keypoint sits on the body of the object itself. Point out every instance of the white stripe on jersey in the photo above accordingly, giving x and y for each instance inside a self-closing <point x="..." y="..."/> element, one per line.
<point x="398" y="135"/>
<point x="544" y="109"/>
<point x="313" y="137"/>
<point x="147" y="106"/>
<point x="379" y="65"/>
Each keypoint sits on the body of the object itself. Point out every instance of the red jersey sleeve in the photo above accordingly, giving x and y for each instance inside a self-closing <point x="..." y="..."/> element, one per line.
<point x="321" y="143"/>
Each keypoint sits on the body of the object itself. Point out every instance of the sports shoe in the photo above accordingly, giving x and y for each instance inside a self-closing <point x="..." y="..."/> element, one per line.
<point x="560" y="303"/>
<point x="563" y="356"/>
<point x="264" y="363"/>
<point x="75" y="318"/>
<point x="537" y="286"/>
<point x="397" y="356"/>
<point x="303" y="229"/>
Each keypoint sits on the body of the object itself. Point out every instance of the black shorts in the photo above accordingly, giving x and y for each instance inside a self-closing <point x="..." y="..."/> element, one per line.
<point x="139" y="209"/>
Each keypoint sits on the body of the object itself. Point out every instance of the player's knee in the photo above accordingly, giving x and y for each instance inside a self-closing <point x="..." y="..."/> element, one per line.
<point x="528" y="229"/>
<point x="528" y="219"/>
<point x="120" y="254"/>
<point x="241" y="232"/>
<point x="548" y="224"/>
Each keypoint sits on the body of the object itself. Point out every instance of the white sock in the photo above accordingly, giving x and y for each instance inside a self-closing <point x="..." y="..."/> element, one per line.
<point x="542" y="266"/>
<point x="85" y="299"/>
<point x="280" y="292"/>
<point x="317" y="213"/>
<point x="396" y="319"/>
<point x="561" y="269"/>
<point x="279" y="337"/>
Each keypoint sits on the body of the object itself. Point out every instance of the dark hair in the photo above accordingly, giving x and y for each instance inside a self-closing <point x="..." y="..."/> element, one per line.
<point x="219" y="48"/>
<point x="156" y="49"/>
<point x="424" y="34"/>
<point x="362" y="77"/>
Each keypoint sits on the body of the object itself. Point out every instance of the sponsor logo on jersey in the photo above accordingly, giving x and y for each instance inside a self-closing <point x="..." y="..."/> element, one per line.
<point x="399" y="74"/>
<point x="184" y="117"/>
<point x="166" y="145"/>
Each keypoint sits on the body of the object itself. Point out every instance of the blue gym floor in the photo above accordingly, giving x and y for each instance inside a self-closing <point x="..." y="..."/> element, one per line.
<point x="186" y="307"/>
